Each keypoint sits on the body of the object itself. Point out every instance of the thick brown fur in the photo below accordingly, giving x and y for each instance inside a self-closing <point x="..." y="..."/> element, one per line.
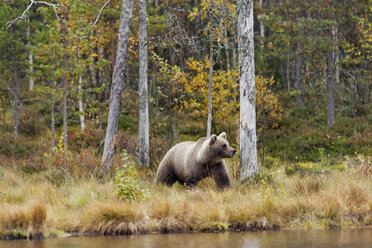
<point x="189" y="162"/>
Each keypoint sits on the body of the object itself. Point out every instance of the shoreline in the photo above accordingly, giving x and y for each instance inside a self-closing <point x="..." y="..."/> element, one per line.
<point x="18" y="236"/>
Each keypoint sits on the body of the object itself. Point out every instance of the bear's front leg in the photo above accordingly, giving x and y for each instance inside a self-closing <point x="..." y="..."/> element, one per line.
<point x="220" y="175"/>
<point x="191" y="183"/>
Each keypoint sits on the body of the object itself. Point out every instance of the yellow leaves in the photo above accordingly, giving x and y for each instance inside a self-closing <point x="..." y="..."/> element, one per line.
<point x="362" y="49"/>
<point x="224" y="93"/>
<point x="193" y="14"/>
<point x="267" y="103"/>
<point x="191" y="90"/>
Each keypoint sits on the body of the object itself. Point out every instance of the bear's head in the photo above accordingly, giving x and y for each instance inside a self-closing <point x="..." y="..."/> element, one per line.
<point x="219" y="147"/>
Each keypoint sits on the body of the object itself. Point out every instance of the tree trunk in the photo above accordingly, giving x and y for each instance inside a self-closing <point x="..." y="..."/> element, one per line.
<point x="16" y="96"/>
<point x="80" y="102"/>
<point x="102" y="96"/>
<point x="30" y="59"/>
<point x="248" y="145"/>
<point x="331" y="83"/>
<point x="143" y="132"/>
<point x="336" y="54"/>
<point x="227" y="54"/>
<point x="262" y="27"/>
<point x="93" y="74"/>
<point x="154" y="87"/>
<point x="65" y="85"/>
<point x="287" y="72"/>
<point x="233" y="60"/>
<point x="263" y="136"/>
<point x="172" y="128"/>
<point x="209" y="122"/>
<point x="299" y="75"/>
<point x="228" y="66"/>
<point x="117" y="82"/>
<point x="52" y="119"/>
<point x="233" y="64"/>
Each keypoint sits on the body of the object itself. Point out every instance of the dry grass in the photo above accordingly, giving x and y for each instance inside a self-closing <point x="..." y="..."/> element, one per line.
<point x="39" y="204"/>
<point x="29" y="219"/>
<point x="112" y="218"/>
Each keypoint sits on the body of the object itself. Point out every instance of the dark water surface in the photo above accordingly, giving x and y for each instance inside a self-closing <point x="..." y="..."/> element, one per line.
<point x="286" y="238"/>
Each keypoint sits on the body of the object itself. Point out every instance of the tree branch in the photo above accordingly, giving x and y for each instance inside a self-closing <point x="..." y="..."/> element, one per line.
<point x="32" y="2"/>
<point x="95" y="22"/>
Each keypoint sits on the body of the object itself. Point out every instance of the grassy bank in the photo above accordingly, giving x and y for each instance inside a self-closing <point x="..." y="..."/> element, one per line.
<point x="35" y="204"/>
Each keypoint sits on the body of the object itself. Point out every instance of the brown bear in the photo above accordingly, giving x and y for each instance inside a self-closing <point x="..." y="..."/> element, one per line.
<point x="189" y="162"/>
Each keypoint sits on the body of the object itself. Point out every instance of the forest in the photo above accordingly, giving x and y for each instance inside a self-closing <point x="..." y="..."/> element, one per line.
<point x="94" y="93"/>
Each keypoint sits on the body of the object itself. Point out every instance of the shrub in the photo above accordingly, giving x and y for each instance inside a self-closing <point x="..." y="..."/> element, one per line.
<point x="127" y="181"/>
<point x="89" y="138"/>
<point x="83" y="164"/>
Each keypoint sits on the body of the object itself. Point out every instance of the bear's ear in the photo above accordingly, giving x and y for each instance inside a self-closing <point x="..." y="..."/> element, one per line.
<point x="222" y="135"/>
<point x="212" y="139"/>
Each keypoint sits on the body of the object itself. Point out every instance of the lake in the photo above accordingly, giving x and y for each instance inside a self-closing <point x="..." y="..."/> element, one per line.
<point x="285" y="238"/>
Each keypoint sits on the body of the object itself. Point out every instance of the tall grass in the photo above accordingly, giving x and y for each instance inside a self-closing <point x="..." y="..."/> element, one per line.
<point x="37" y="204"/>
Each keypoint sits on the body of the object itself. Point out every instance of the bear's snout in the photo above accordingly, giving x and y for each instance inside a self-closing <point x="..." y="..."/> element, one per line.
<point x="232" y="153"/>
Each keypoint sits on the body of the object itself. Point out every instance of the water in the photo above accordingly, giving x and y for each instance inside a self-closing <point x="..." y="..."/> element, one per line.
<point x="286" y="238"/>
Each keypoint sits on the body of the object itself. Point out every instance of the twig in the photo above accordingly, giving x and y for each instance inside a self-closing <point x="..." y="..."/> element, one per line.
<point x="19" y="18"/>
<point x="95" y="22"/>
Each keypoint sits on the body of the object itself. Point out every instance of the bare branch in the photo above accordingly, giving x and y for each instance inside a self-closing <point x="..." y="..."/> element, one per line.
<point x="32" y="2"/>
<point x="95" y="22"/>
<point x="20" y="17"/>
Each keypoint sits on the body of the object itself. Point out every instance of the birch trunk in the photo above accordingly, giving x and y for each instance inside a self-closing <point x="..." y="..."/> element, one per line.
<point x="331" y="74"/>
<point x="16" y="97"/>
<point x="262" y="27"/>
<point x="30" y="59"/>
<point x="299" y="75"/>
<point x="65" y="85"/>
<point x="52" y="119"/>
<point x="117" y="82"/>
<point x="81" y="106"/>
<point x="227" y="53"/>
<point x="287" y="72"/>
<point x="233" y="60"/>
<point x="336" y="54"/>
<point x="143" y="132"/>
<point x="248" y="145"/>
<point x="102" y="97"/>
<point x="209" y="122"/>
<point x="233" y="64"/>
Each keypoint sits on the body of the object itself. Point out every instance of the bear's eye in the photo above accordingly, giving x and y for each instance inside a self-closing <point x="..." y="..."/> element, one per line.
<point x="224" y="146"/>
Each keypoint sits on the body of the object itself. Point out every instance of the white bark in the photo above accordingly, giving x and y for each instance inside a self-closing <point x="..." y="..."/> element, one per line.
<point x="336" y="54"/>
<point x="287" y="72"/>
<point x="210" y="106"/>
<point x="65" y="86"/>
<point x="117" y="82"/>
<point x="81" y="106"/>
<point x="31" y="82"/>
<point x="248" y="146"/>
<point x="143" y="132"/>
<point x="30" y="60"/>
<point x="52" y="119"/>
<point x="331" y="75"/>
<point x="262" y="27"/>
<point x="299" y="75"/>
<point x="16" y="97"/>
